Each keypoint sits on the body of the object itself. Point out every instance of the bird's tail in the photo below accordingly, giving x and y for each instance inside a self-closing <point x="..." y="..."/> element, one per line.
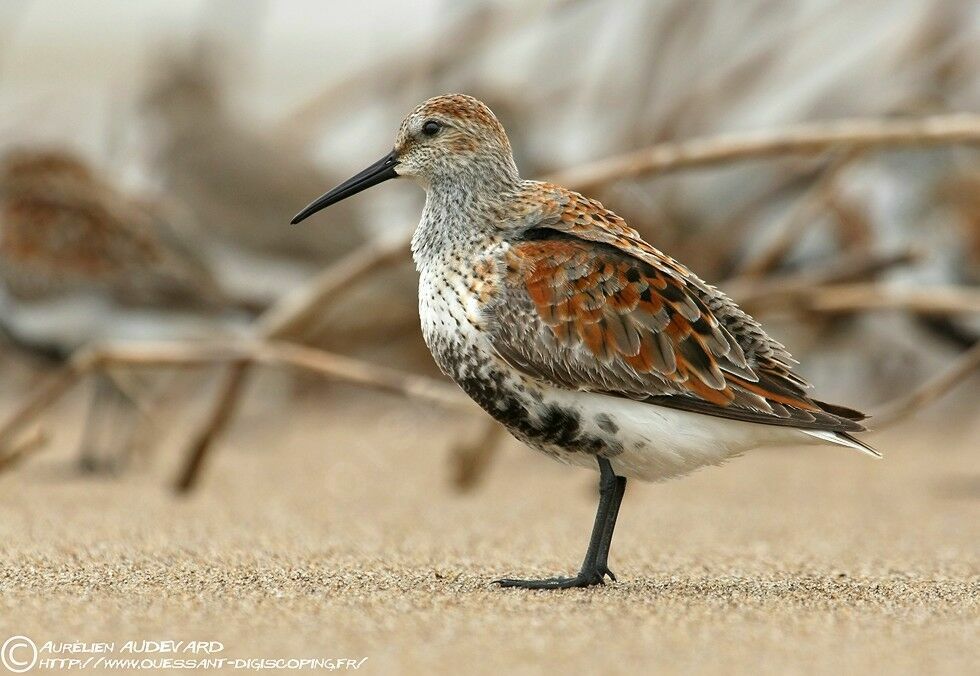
<point x="843" y="439"/>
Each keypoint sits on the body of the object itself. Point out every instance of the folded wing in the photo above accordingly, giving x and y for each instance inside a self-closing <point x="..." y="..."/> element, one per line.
<point x="588" y="305"/>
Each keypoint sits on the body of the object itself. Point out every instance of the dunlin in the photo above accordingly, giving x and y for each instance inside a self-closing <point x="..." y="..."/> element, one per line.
<point x="81" y="261"/>
<point x="66" y="232"/>
<point x="582" y="339"/>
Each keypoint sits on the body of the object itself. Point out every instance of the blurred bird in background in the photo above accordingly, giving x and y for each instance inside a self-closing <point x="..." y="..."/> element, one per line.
<point x="82" y="262"/>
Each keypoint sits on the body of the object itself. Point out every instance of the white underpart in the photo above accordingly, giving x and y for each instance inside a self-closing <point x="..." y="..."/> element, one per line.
<point x="661" y="443"/>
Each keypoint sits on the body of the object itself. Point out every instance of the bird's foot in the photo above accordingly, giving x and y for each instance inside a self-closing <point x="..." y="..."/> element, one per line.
<point x="583" y="579"/>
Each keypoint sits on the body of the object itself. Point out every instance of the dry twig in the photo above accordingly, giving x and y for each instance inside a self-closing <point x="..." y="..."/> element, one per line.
<point x="186" y="354"/>
<point x="804" y="139"/>
<point x="45" y="396"/>
<point x="24" y="447"/>
<point x="289" y="318"/>
<point x="217" y="421"/>
<point x="838" y="298"/>
<point x="897" y="411"/>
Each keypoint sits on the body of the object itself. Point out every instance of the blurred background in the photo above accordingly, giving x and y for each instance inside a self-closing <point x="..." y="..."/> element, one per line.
<point x="153" y="153"/>
<point x="151" y="156"/>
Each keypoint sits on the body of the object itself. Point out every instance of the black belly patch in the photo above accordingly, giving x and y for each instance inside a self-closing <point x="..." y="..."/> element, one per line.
<point x="549" y="425"/>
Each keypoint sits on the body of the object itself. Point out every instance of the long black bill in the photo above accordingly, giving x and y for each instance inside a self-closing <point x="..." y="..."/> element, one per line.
<point x="377" y="173"/>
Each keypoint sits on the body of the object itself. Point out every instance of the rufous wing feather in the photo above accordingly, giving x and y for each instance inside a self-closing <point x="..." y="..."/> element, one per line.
<point x="617" y="316"/>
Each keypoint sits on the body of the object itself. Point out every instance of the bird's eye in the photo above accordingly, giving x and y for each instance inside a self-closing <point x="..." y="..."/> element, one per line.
<point x="431" y="128"/>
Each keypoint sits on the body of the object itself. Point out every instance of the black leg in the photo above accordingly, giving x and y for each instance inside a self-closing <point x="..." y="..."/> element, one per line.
<point x="602" y="560"/>
<point x="594" y="568"/>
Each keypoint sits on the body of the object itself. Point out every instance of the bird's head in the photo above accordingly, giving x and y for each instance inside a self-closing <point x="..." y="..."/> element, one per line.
<point x="448" y="139"/>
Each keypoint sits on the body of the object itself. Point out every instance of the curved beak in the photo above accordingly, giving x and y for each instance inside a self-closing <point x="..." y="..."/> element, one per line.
<point x="377" y="173"/>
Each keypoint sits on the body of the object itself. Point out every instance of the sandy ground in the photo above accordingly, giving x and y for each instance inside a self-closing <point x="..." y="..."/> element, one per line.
<point x="326" y="528"/>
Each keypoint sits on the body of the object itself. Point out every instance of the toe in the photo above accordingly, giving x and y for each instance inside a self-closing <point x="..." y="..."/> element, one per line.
<point x="551" y="582"/>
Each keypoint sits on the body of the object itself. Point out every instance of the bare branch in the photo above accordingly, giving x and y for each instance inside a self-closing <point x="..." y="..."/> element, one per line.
<point x="804" y="139"/>
<point x="333" y="366"/>
<point x="967" y="363"/>
<point x="222" y="412"/>
<point x="837" y="298"/>
<point x="187" y="354"/>
<point x="291" y="315"/>
<point x="45" y="396"/>
<point x="22" y="448"/>
<point x="364" y="373"/>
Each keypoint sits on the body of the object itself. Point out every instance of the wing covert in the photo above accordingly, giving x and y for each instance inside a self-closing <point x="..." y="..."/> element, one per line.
<point x="589" y="305"/>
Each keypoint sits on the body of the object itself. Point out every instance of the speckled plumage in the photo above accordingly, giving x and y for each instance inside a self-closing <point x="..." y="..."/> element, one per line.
<point x="585" y="341"/>
<point x="539" y="301"/>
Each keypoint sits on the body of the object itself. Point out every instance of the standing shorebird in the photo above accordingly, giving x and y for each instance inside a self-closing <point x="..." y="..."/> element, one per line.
<point x="582" y="339"/>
